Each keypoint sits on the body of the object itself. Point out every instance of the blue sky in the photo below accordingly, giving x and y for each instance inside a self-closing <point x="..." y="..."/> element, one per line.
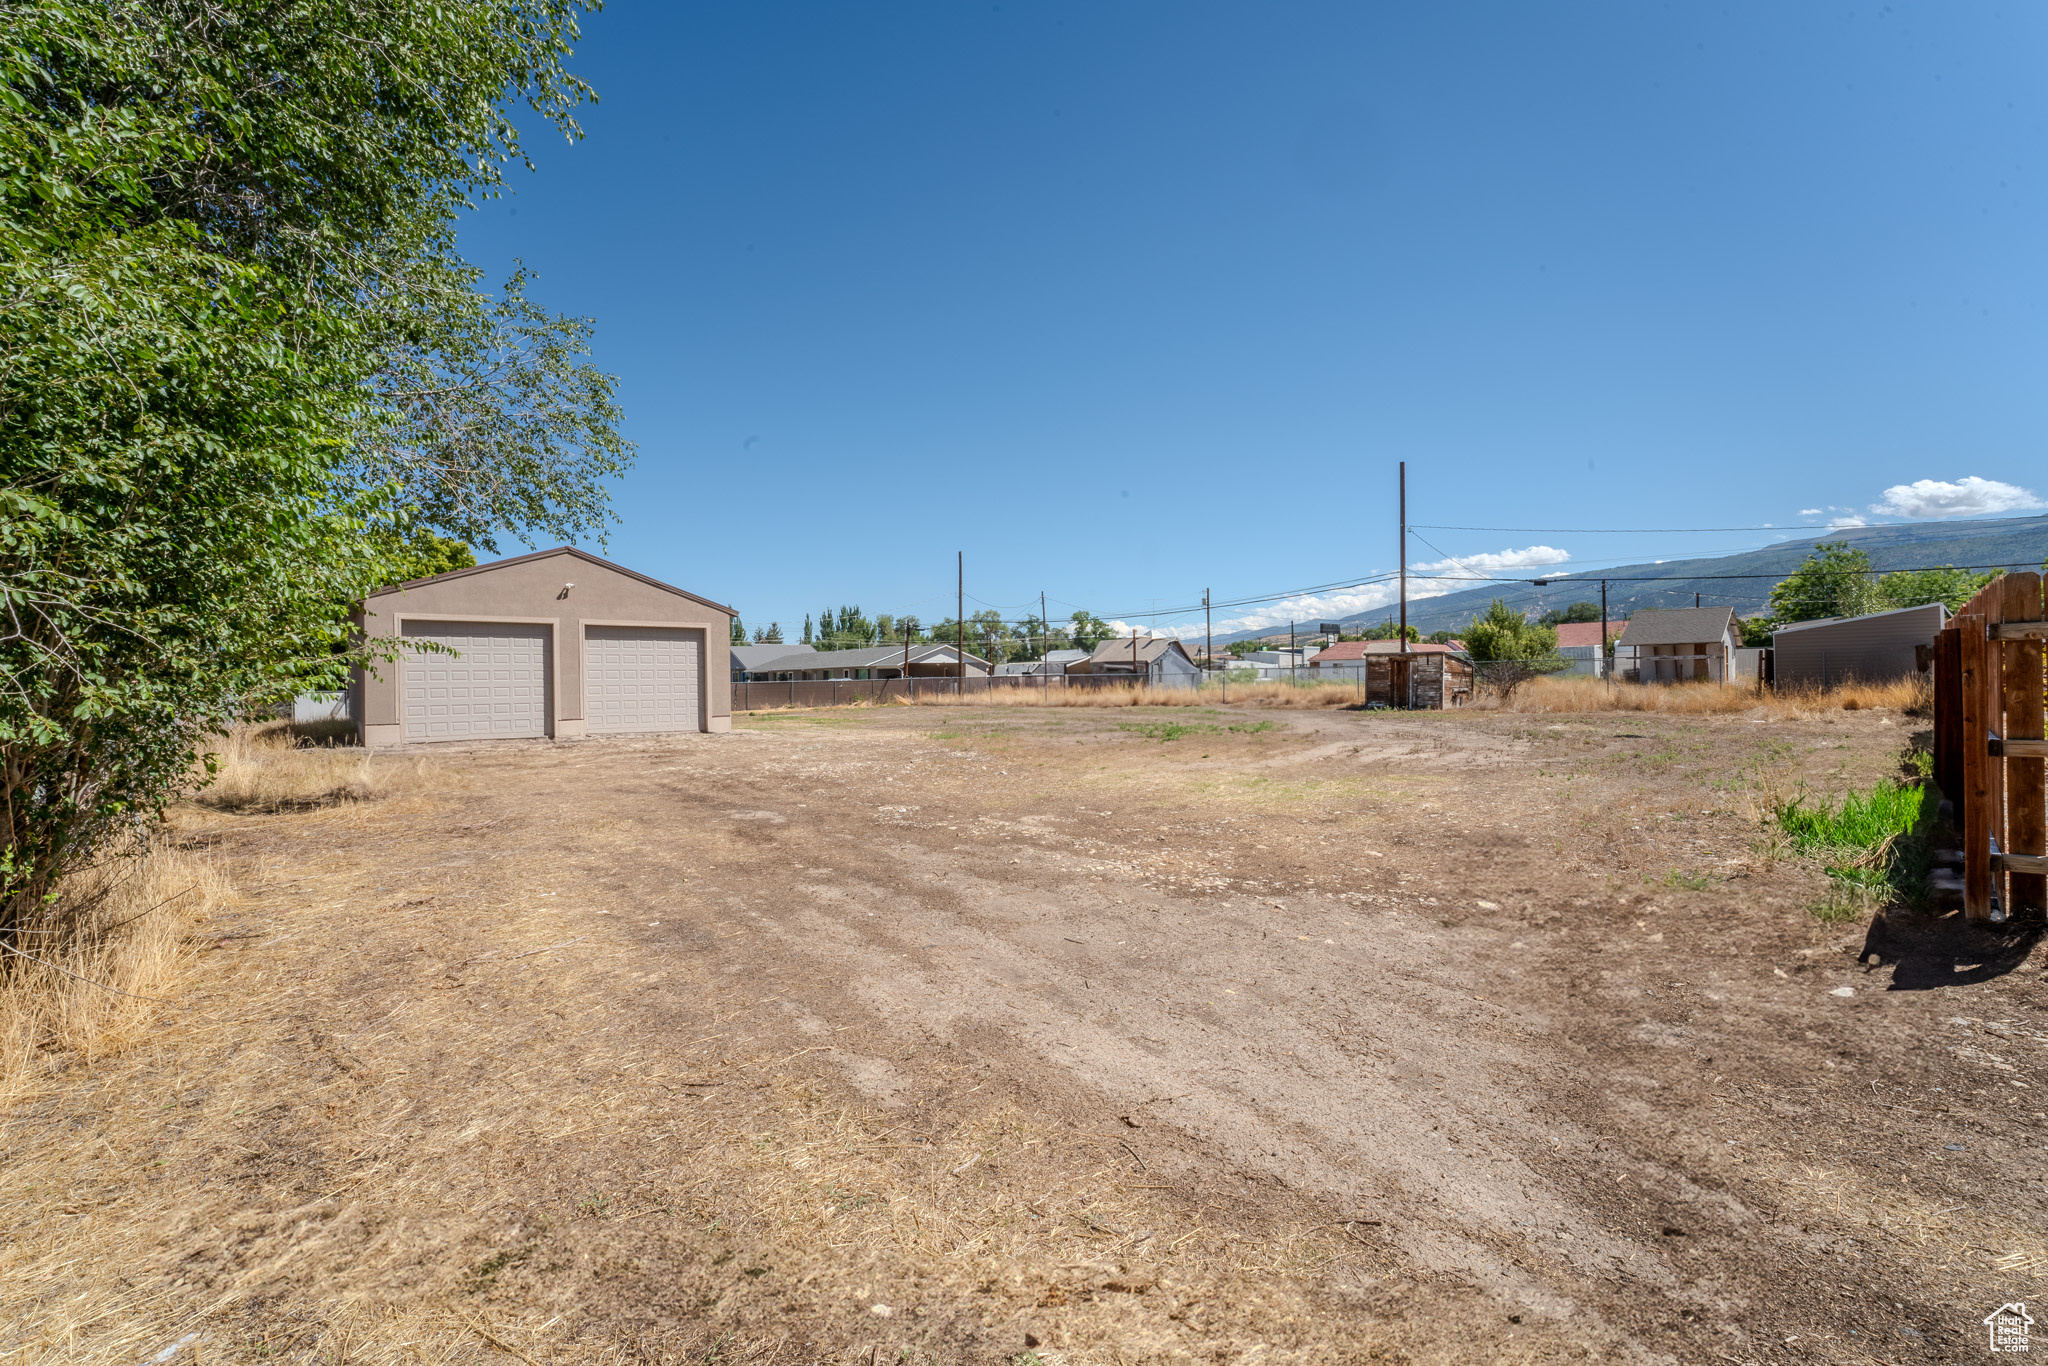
<point x="1126" y="301"/>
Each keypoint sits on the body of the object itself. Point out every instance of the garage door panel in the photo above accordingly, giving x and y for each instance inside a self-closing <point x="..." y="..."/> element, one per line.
<point x="494" y="685"/>
<point x="639" y="679"/>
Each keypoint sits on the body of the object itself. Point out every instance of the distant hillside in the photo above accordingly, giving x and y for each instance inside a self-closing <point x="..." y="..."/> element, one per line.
<point x="2014" y="540"/>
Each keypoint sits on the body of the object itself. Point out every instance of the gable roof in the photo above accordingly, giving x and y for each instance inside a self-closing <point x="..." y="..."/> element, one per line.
<point x="1679" y="626"/>
<point x="802" y="657"/>
<point x="1577" y="634"/>
<point x="754" y="656"/>
<point x="570" y="550"/>
<point x="1938" y="610"/>
<point x="1149" y="649"/>
<point x="1359" y="649"/>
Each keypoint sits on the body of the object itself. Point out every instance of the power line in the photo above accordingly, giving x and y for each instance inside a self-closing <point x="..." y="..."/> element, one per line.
<point x="1646" y="530"/>
<point x="1573" y="578"/>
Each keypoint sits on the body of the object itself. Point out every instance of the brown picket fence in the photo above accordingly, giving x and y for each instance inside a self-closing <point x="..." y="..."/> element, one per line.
<point x="1988" y="745"/>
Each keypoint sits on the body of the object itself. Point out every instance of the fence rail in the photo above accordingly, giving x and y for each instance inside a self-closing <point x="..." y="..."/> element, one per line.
<point x="1988" y="749"/>
<point x="839" y="692"/>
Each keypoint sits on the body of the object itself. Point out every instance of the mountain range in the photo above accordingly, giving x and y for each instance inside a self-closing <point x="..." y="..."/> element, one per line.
<point x="1742" y="581"/>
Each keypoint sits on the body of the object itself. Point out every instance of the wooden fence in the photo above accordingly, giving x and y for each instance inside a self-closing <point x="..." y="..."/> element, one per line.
<point x="1988" y="746"/>
<point x="839" y="692"/>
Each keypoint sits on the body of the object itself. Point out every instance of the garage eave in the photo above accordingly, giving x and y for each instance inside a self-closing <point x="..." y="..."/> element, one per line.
<point x="570" y="550"/>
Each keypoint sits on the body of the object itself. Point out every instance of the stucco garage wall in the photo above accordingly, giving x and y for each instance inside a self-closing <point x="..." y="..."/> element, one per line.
<point x="531" y="590"/>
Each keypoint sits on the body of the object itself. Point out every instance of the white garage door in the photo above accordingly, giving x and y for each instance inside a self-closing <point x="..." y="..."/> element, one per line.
<point x="639" y="679"/>
<point x="495" y="685"/>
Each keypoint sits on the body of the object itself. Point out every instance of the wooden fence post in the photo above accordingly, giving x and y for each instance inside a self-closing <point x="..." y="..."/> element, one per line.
<point x="1976" y="772"/>
<point x="1991" y="601"/>
<point x="1948" y="720"/>
<point x="2026" y="826"/>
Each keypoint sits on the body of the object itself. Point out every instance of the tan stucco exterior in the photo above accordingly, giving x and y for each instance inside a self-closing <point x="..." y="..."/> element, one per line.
<point x="564" y="590"/>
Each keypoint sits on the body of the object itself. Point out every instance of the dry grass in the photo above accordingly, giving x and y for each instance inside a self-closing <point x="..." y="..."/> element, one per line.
<point x="1697" y="699"/>
<point x="266" y="768"/>
<point x="1300" y="696"/>
<point x="100" y="997"/>
<point x="312" y="1163"/>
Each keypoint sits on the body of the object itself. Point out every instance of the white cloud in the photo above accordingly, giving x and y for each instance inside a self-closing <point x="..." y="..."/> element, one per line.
<point x="1845" y="522"/>
<point x="1498" y="559"/>
<point x="1966" y="497"/>
<point x="1811" y="512"/>
<point x="1423" y="582"/>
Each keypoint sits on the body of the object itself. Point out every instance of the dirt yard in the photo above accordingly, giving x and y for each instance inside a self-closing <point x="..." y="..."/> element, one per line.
<point x="1102" y="1036"/>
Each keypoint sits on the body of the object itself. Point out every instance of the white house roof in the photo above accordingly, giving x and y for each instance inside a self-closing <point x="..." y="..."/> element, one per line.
<point x="1678" y="626"/>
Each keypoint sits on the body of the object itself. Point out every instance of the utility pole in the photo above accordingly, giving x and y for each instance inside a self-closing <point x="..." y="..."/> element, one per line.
<point x="1606" y="657"/>
<point x="1402" y="663"/>
<point x="1208" y="634"/>
<point x="1404" y="557"/>
<point x="960" y="620"/>
<point x="1045" y="647"/>
<point x="1290" y="652"/>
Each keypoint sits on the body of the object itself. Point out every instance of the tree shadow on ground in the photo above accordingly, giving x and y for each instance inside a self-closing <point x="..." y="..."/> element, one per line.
<point x="1927" y="952"/>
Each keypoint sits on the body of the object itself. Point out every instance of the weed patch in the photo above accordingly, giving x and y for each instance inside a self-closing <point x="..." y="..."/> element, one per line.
<point x="1870" y="845"/>
<point x="1163" y="731"/>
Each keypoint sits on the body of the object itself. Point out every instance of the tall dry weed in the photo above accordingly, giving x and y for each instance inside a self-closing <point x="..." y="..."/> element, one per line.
<point x="1304" y="696"/>
<point x="97" y="994"/>
<point x="265" y="768"/>
<point x="1700" y="699"/>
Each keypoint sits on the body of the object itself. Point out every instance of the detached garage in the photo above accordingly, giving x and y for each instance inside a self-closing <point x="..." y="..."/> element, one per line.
<point x="556" y="644"/>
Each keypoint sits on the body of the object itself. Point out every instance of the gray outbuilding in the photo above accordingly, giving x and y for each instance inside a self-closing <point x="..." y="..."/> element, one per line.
<point x="1873" y="648"/>
<point x="1678" y="645"/>
<point x="1161" y="661"/>
<point x="559" y="643"/>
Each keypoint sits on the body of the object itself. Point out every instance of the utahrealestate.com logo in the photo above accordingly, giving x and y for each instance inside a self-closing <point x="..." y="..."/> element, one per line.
<point x="2008" y="1326"/>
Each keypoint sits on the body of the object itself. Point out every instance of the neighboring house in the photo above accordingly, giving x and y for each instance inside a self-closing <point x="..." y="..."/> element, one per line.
<point x="557" y="644"/>
<point x="1678" y="645"/>
<point x="806" y="665"/>
<point x="1869" y="648"/>
<point x="1280" y="663"/>
<point x="746" y="659"/>
<point x="1579" y="641"/>
<point x="1347" y="657"/>
<point x="1055" y="662"/>
<point x="1161" y="661"/>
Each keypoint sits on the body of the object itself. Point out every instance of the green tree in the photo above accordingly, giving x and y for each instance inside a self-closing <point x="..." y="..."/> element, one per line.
<point x="1577" y="612"/>
<point x="1442" y="637"/>
<point x="1087" y="630"/>
<point x="771" y="636"/>
<point x="422" y="555"/>
<point x="1388" y="630"/>
<point x="242" y="367"/>
<point x="739" y="631"/>
<point x="1834" y="581"/>
<point x="1503" y="633"/>
<point x="1756" y="630"/>
<point x="1917" y="587"/>
<point x="807" y="630"/>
